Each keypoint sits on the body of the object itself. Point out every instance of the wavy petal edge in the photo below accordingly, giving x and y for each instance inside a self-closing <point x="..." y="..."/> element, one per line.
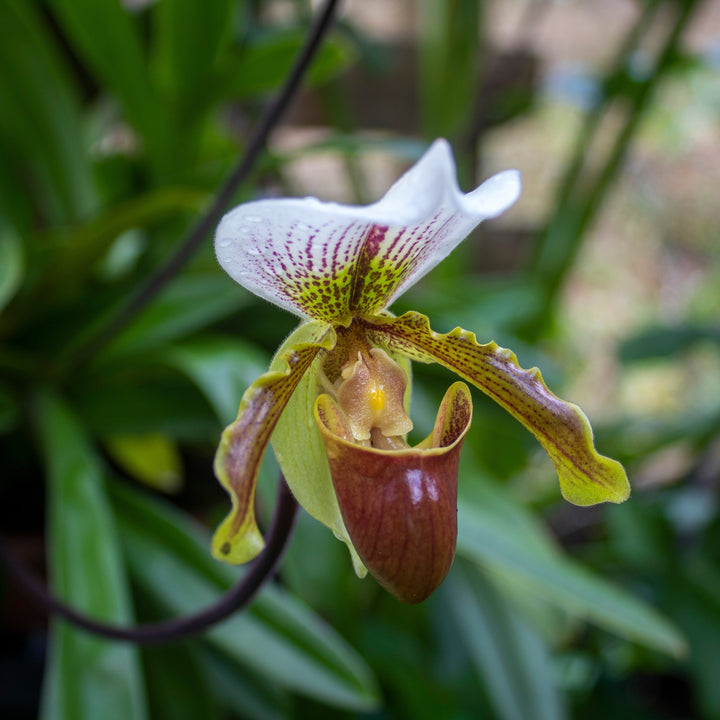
<point x="562" y="428"/>
<point x="325" y="261"/>
<point x="243" y="443"/>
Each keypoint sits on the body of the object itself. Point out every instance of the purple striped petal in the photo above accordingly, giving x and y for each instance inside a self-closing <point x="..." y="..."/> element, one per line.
<point x="329" y="262"/>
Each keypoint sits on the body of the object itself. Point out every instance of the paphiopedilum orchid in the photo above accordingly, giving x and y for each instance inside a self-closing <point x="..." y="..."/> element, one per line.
<point x="334" y="402"/>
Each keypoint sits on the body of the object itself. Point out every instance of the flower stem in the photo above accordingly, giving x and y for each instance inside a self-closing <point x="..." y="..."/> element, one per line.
<point x="260" y="571"/>
<point x="197" y="233"/>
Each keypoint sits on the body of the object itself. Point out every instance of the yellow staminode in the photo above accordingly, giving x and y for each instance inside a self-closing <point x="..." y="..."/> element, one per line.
<point x="371" y="395"/>
<point x="377" y="397"/>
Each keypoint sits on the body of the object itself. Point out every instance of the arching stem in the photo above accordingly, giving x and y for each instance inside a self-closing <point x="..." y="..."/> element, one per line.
<point x="197" y="234"/>
<point x="259" y="572"/>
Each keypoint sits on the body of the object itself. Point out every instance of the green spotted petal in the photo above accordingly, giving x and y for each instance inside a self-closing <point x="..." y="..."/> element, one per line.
<point x="328" y="262"/>
<point x="243" y="443"/>
<point x="301" y="454"/>
<point x="586" y="478"/>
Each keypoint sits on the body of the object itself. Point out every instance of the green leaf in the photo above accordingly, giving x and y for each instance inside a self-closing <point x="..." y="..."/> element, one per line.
<point x="662" y="342"/>
<point x="277" y="637"/>
<point x="10" y="409"/>
<point x="152" y="458"/>
<point x="243" y="693"/>
<point x="517" y="549"/>
<point x="142" y="401"/>
<point x="693" y="596"/>
<point x="486" y="304"/>
<point x="637" y="437"/>
<point x="189" y="303"/>
<point x="510" y="656"/>
<point x="16" y="204"/>
<point x="178" y="688"/>
<point x="88" y="677"/>
<point x="84" y="245"/>
<point x="221" y="367"/>
<point x="265" y="62"/>
<point x="11" y="264"/>
<point x="192" y="43"/>
<point x="450" y="53"/>
<point x="39" y="113"/>
<point x="105" y="36"/>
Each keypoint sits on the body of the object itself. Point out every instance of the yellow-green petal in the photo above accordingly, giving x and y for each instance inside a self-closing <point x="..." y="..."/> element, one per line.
<point x="301" y="453"/>
<point x="243" y="443"/>
<point x="563" y="430"/>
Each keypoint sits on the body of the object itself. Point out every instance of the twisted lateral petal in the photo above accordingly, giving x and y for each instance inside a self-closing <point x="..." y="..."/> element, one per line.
<point x="586" y="478"/>
<point x="243" y="444"/>
<point x="300" y="452"/>
<point x="327" y="261"/>
<point x="400" y="506"/>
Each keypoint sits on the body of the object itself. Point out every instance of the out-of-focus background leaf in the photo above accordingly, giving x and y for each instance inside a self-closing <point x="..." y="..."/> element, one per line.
<point x="118" y="121"/>
<point x="85" y="675"/>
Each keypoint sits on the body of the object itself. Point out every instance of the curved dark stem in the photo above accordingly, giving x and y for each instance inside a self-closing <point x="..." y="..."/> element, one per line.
<point x="198" y="232"/>
<point x="259" y="572"/>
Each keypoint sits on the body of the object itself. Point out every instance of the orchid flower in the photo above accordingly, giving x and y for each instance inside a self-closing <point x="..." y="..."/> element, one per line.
<point x="334" y="401"/>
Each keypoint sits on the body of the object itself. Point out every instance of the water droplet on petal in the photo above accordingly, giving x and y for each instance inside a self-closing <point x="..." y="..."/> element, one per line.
<point x="253" y="218"/>
<point x="224" y="242"/>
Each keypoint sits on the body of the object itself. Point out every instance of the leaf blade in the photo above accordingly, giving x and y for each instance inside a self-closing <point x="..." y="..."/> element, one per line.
<point x="170" y="558"/>
<point x="509" y="655"/>
<point x="104" y="34"/>
<point x="86" y="673"/>
<point x="40" y="114"/>
<point x="11" y="265"/>
<point x="493" y="544"/>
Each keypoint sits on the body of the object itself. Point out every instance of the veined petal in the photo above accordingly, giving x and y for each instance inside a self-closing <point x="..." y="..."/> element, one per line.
<point x="243" y="443"/>
<point x="400" y="506"/>
<point x="301" y="454"/>
<point x="328" y="261"/>
<point x="586" y="478"/>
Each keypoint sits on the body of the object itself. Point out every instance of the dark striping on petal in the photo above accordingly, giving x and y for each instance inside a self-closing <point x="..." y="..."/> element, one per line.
<point x="586" y="477"/>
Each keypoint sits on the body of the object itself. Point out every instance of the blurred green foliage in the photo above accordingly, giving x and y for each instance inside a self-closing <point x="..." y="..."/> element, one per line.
<point x="116" y="127"/>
